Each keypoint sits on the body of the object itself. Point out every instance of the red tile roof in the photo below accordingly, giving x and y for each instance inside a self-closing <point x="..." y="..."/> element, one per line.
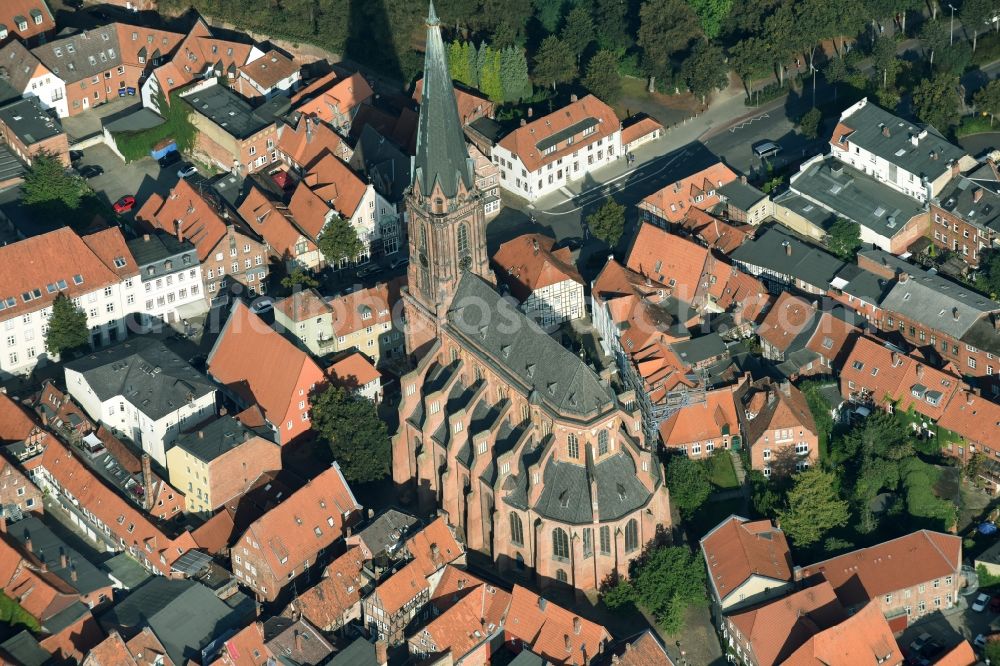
<point x="213" y="536"/>
<point x="198" y="220"/>
<point x="303" y="305"/>
<point x="709" y="420"/>
<point x="646" y="650"/>
<point x="9" y="9"/>
<point x="308" y="140"/>
<point x="273" y="222"/>
<point x="401" y="587"/>
<point x="472" y="104"/>
<point x="112" y="650"/>
<point x="528" y="263"/>
<point x="718" y="234"/>
<point x="353" y="371"/>
<point x="699" y="190"/>
<point x="336" y="184"/>
<point x="326" y="603"/>
<point x="148" y="650"/>
<point x="270" y="69"/>
<point x="308" y="210"/>
<point x="973" y="417"/>
<point x="672" y="260"/>
<point x="552" y="631"/>
<point x="960" y="655"/>
<point x="863" y="638"/>
<point x="524" y="141"/>
<point x="198" y="50"/>
<point x="639" y="128"/>
<point x="434" y="546"/>
<point x="349" y="310"/>
<point x="336" y="102"/>
<point x="16" y="424"/>
<point x="790" y="316"/>
<point x="738" y="549"/>
<point x="897" y="564"/>
<point x="246" y="648"/>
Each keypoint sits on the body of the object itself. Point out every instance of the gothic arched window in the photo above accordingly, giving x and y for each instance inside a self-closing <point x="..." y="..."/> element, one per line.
<point x="516" y="530"/>
<point x="463" y="238"/>
<point x="560" y="544"/>
<point x="631" y="535"/>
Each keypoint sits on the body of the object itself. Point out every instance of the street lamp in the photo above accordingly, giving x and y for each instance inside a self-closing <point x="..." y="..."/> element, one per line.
<point x="951" y="39"/>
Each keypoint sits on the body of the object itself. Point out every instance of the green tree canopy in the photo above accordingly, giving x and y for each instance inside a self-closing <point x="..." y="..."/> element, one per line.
<point x="885" y="61"/>
<point x="988" y="277"/>
<point x="299" y="278"/>
<point x="357" y="437"/>
<point x="809" y="123"/>
<point x="612" y="24"/>
<point x="554" y="63"/>
<point x="458" y="63"/>
<point x="705" y="69"/>
<point x="664" y="582"/>
<point x="608" y="222"/>
<point x="988" y="99"/>
<point x="814" y="507"/>
<point x="578" y="32"/>
<point x="68" y="331"/>
<point x="844" y="239"/>
<point x="339" y="241"/>
<point x="514" y="74"/>
<point x="711" y="14"/>
<point x="934" y="38"/>
<point x="11" y="613"/>
<point x="935" y="101"/>
<point x="688" y="483"/>
<point x="975" y="14"/>
<point x="50" y="191"/>
<point x="602" y="77"/>
<point x="748" y="56"/>
<point x="666" y="27"/>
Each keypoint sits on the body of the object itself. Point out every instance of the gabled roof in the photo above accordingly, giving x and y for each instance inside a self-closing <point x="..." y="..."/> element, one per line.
<point x="548" y="630"/>
<point x="401" y="588"/>
<point x="637" y="126"/>
<point x="897" y="564"/>
<point x="863" y="638"/>
<point x="303" y="305"/>
<point x="20" y="65"/>
<point x="765" y="405"/>
<point x="973" y="417"/>
<point x="305" y="141"/>
<point x="273" y="222"/>
<point x="81" y="56"/>
<point x="198" y="220"/>
<point x="336" y="184"/>
<point x="775" y="249"/>
<point x="270" y="69"/>
<point x="26" y="10"/>
<point x="353" y="371"/>
<point x="528" y="263"/>
<point x="724" y="236"/>
<point x="434" y="546"/>
<point x="16" y="424"/>
<point x="699" y="190"/>
<point x="200" y="50"/>
<point x="349" y="310"/>
<point x="643" y="650"/>
<point x="709" y="420"/>
<point x="737" y="549"/>
<point x="960" y="655"/>
<point x="331" y="100"/>
<point x="337" y="592"/>
<point x="670" y="259"/>
<point x="112" y="650"/>
<point x="789" y="317"/>
<point x="246" y="648"/>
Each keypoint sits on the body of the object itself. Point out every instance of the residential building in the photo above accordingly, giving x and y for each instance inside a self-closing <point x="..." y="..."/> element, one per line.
<point x="913" y="159"/>
<point x="383" y="538"/>
<point x="778" y="428"/>
<point x="395" y="603"/>
<point x="802" y="216"/>
<point x="143" y="390"/>
<point x="781" y="261"/>
<point x="272" y="74"/>
<point x="907" y="577"/>
<point x="886" y="217"/>
<point x="29" y="21"/>
<point x="333" y="100"/>
<point x="16" y="423"/>
<point x="553" y="632"/>
<point x="28" y="77"/>
<point x="487" y="177"/>
<point x="96" y="271"/>
<point x="298" y="641"/>
<point x="232" y="256"/>
<point x="434" y="547"/>
<point x="272" y="221"/>
<point x="965" y="218"/>
<point x="357" y="374"/>
<point x="645" y="649"/>
<point x="699" y="190"/>
<point x="257" y="366"/>
<point x="379" y="161"/>
<point x="564" y="146"/>
<point x="309" y="317"/>
<point x="639" y="129"/>
<point x="294" y="535"/>
<point x="218" y="462"/>
<point x="544" y="280"/>
<point x="743" y="203"/>
<point x="972" y="420"/>
<point x="17" y="492"/>
<point x="748" y="563"/>
<point x="144" y="649"/>
<point x="335" y="601"/>
<point x="171" y="277"/>
<point x="303" y="142"/>
<point x="367" y="320"/>
<point x="804" y="341"/>
<point x="28" y="130"/>
<point x="863" y="638"/>
<point x="713" y="232"/>
<point x="698" y="430"/>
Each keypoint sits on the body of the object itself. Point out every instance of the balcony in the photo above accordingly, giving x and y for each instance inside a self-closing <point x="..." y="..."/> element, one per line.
<point x="325" y="342"/>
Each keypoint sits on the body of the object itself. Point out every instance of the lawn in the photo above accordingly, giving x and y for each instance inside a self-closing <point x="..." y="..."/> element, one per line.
<point x="721" y="472"/>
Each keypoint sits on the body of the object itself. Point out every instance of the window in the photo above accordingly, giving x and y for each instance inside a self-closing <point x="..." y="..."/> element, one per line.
<point x="560" y="544"/>
<point x="573" y="446"/>
<point x="802" y="448"/>
<point x="516" y="530"/>
<point x="462" y="239"/>
<point x="972" y="363"/>
<point x="631" y="535"/>
<point x="605" y="540"/>
<point x="767" y="454"/>
<point x="561" y="576"/>
<point x="588" y="542"/>
<point x="602" y="442"/>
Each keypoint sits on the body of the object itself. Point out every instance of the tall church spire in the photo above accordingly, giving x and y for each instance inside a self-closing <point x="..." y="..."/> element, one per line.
<point x="441" y="154"/>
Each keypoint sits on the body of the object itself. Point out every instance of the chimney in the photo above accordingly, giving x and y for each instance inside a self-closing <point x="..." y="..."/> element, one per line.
<point x="435" y="552"/>
<point x="969" y="397"/>
<point x="531" y="112"/>
<point x="201" y="434"/>
<point x="3" y="522"/>
<point x="371" y="513"/>
<point x="223" y="411"/>
<point x="63" y="559"/>
<point x="72" y="574"/>
<point x="27" y="542"/>
<point x="577" y="625"/>
<point x="743" y="178"/>
<point x="542" y="603"/>
<point x="954" y="314"/>
<point x="523" y="122"/>
<point x="534" y="245"/>
<point x="895" y="359"/>
<point x="788" y="248"/>
<point x="309" y="133"/>
<point x="885" y="130"/>
<point x="147" y="482"/>
<point x="145" y="238"/>
<point x="904" y="276"/>
<point x="995" y="319"/>
<point x="45" y="565"/>
<point x="572" y="98"/>
<point x="298" y="641"/>
<point x="920" y="370"/>
<point x="977" y="195"/>
<point x="566" y="642"/>
<point x="461" y="583"/>
<point x="382" y="653"/>
<point x="179" y="231"/>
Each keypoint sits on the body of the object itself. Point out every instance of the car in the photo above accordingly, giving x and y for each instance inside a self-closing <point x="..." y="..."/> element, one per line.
<point x="918" y="644"/>
<point x="370" y="269"/>
<point x="168" y="159"/>
<point x="349" y="289"/>
<point x="186" y="171"/>
<point x="979" y="605"/>
<point x="75" y="156"/>
<point x="124" y="204"/>
<point x="765" y="149"/>
<point x="399" y="262"/>
<point x="574" y="243"/>
<point x="931" y="651"/>
<point x="262" y="305"/>
<point x="91" y="171"/>
<point x="980" y="641"/>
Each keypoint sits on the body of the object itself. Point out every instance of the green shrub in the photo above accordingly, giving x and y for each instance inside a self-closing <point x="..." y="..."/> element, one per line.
<point x="975" y="125"/>
<point x="177" y="125"/>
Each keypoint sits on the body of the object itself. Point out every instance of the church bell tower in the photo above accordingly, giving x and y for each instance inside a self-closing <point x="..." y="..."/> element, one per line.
<point x="447" y="225"/>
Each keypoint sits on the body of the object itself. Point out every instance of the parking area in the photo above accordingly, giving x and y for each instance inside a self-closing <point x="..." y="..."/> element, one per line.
<point x="139" y="179"/>
<point x="90" y="122"/>
<point x="940" y="631"/>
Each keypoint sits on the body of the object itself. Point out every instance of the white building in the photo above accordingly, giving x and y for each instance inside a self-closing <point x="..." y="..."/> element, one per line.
<point x="913" y="159"/>
<point x="142" y="390"/>
<point x="544" y="280"/>
<point x="542" y="156"/>
<point x="96" y="271"/>
<point x="171" y="277"/>
<point x="28" y="76"/>
<point x="271" y="74"/>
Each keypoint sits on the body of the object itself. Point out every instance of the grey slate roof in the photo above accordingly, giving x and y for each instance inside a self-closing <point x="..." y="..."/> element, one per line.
<point x="387" y="530"/>
<point x="527" y="658"/>
<point x="123" y="568"/>
<point x="215" y="438"/>
<point x="229" y="111"/>
<point x="702" y="348"/>
<point x="897" y="148"/>
<point x="566" y="493"/>
<point x="150" y="376"/>
<point x="382" y="163"/>
<point x="740" y="194"/>
<point x="81" y="56"/>
<point x="958" y="198"/>
<point x="17" y="64"/>
<point x="503" y="336"/>
<point x="798" y="204"/>
<point x="855" y="196"/>
<point x="864" y="284"/>
<point x="26" y="649"/>
<point x="441" y="154"/>
<point x="48" y="546"/>
<point x="358" y="653"/>
<point x="29" y="121"/>
<point x="806" y="262"/>
<point x="154" y="249"/>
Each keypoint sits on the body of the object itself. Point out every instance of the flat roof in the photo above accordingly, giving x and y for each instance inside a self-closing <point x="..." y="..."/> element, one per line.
<point x="229" y="111"/>
<point x="29" y="121"/>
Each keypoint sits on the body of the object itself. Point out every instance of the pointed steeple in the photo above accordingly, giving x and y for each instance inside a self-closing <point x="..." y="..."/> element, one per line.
<point x="442" y="156"/>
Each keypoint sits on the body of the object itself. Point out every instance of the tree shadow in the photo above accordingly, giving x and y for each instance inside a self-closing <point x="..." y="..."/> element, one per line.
<point x="370" y="38"/>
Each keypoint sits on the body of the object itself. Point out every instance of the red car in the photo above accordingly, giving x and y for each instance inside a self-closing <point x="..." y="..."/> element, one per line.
<point x="124" y="204"/>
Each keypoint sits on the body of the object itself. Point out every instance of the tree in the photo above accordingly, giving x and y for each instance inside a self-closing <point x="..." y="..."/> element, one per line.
<point x="935" y="38"/>
<point x="602" y="77"/>
<point x="767" y="495"/>
<point x="578" y="32"/>
<point x="711" y="14"/>
<point x="885" y="61"/>
<point x="781" y="37"/>
<point x="748" y="56"/>
<point x="935" y="101"/>
<point x="548" y="13"/>
<point x="844" y="239"/>
<point x="705" y="69"/>
<point x="357" y="437"/>
<point x="666" y="27"/>
<point x="988" y="277"/>
<point x="339" y="241"/>
<point x="514" y="74"/>
<point x="814" y="507"/>
<point x="13" y="615"/>
<point x="299" y="278"/>
<point x="68" y="331"/>
<point x="612" y="24"/>
<point x="809" y="123"/>
<point x="992" y="651"/>
<point x="50" y="191"/>
<point x="458" y="63"/>
<point x="490" y="77"/>
<point x="471" y="56"/>
<point x="688" y="483"/>
<point x="665" y="582"/>
<point x="506" y="35"/>
<point x="975" y="14"/>
<point x="836" y="72"/>
<point x="608" y="222"/>
<point x="988" y="99"/>
<point x="554" y="62"/>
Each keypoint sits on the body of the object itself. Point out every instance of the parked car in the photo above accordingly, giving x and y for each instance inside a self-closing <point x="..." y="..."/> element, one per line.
<point x="125" y="204"/>
<point x="262" y="305"/>
<point x="979" y="605"/>
<point x="399" y="262"/>
<point x="168" y="159"/>
<point x="91" y="171"/>
<point x="921" y="640"/>
<point x="186" y="171"/>
<point x="370" y="269"/>
<point x="980" y="641"/>
<point x="766" y="149"/>
<point x="75" y="156"/>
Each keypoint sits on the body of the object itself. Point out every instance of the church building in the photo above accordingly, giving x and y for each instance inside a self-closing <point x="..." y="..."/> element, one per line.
<point x="537" y="460"/>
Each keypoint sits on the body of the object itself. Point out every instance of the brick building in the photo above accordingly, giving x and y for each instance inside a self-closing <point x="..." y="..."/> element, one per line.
<point x="232" y="134"/>
<point x="28" y="129"/>
<point x="701" y="190"/>
<point x="544" y="280"/>
<point x="286" y="240"/>
<point x="335" y="600"/>
<point x="29" y="21"/>
<point x="965" y="218"/>
<point x="778" y="428"/>
<point x="698" y="430"/>
<point x="17" y="492"/>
